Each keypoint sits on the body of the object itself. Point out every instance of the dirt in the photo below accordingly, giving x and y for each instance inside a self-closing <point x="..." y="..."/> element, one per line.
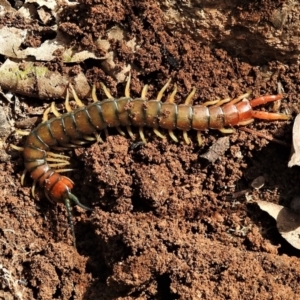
<point x="166" y="223"/>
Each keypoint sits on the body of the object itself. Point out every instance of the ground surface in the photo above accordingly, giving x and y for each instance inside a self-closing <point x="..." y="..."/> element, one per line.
<point x="165" y="223"/>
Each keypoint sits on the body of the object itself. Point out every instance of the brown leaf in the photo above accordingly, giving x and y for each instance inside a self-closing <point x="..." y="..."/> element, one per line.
<point x="288" y="221"/>
<point x="295" y="157"/>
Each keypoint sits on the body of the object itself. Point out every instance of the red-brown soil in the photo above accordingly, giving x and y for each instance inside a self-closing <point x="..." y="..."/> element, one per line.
<point x="165" y="224"/>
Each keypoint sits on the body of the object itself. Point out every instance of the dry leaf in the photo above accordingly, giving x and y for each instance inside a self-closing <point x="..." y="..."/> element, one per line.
<point x="217" y="149"/>
<point x="28" y="78"/>
<point x="295" y="157"/>
<point x="287" y="220"/>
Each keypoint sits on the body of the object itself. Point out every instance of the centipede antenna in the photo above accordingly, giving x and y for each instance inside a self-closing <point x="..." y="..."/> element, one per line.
<point x="67" y="102"/>
<point x="46" y="113"/>
<point x="106" y="91"/>
<point x="185" y="137"/>
<point x="67" y="201"/>
<point x="94" y="96"/>
<point x="144" y="91"/>
<point x="171" y="98"/>
<point x="189" y="98"/>
<point x="127" y="87"/>
<point x="173" y="137"/>
<point x="78" y="101"/>
<point x="161" y="92"/>
<point x="77" y="202"/>
<point x="70" y="219"/>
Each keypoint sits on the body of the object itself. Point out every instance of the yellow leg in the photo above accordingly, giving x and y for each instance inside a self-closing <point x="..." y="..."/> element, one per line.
<point x="244" y="123"/>
<point x="142" y="136"/>
<point x="171" y="97"/>
<point x="158" y="133"/>
<point x="58" y="155"/>
<point x="64" y="170"/>
<point x="89" y="138"/>
<point x="54" y="110"/>
<point x="120" y="131"/>
<point x="128" y="128"/>
<point x="227" y="130"/>
<point x="57" y="160"/>
<point x="172" y="135"/>
<point x="238" y="99"/>
<point x="98" y="137"/>
<point x="46" y="114"/>
<point x="106" y="91"/>
<point x="221" y="102"/>
<point x="161" y="92"/>
<point x="94" y="96"/>
<point x="127" y="87"/>
<point x="21" y="149"/>
<point x="144" y="91"/>
<point x="189" y="98"/>
<point x="23" y="176"/>
<point x="33" y="189"/>
<point x="186" y="138"/>
<point x="67" y="102"/>
<point x="78" y="101"/>
<point x="199" y="138"/>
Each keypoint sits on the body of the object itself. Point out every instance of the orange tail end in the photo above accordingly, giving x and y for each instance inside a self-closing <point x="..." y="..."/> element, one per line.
<point x="269" y="116"/>
<point x="265" y="99"/>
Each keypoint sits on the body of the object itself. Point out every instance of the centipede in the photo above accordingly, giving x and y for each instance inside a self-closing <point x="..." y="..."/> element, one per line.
<point x="83" y="125"/>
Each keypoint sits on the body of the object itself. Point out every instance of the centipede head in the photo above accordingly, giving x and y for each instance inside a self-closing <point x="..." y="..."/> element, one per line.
<point x="61" y="193"/>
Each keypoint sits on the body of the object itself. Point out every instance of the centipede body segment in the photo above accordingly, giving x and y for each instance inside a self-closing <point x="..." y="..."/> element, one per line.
<point x="82" y="125"/>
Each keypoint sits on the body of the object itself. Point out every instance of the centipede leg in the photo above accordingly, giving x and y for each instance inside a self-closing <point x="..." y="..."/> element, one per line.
<point x="23" y="176"/>
<point x="227" y="130"/>
<point x="94" y="96"/>
<point x="161" y="92"/>
<point x="120" y="131"/>
<point x="127" y="87"/>
<point x="76" y="98"/>
<point x="199" y="138"/>
<point x="128" y="128"/>
<point x="22" y="132"/>
<point x="185" y="137"/>
<point x="158" y="133"/>
<point x="33" y="188"/>
<point x="142" y="136"/>
<point x="172" y="136"/>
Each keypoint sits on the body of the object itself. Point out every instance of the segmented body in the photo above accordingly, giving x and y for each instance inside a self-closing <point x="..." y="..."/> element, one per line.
<point x="71" y="128"/>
